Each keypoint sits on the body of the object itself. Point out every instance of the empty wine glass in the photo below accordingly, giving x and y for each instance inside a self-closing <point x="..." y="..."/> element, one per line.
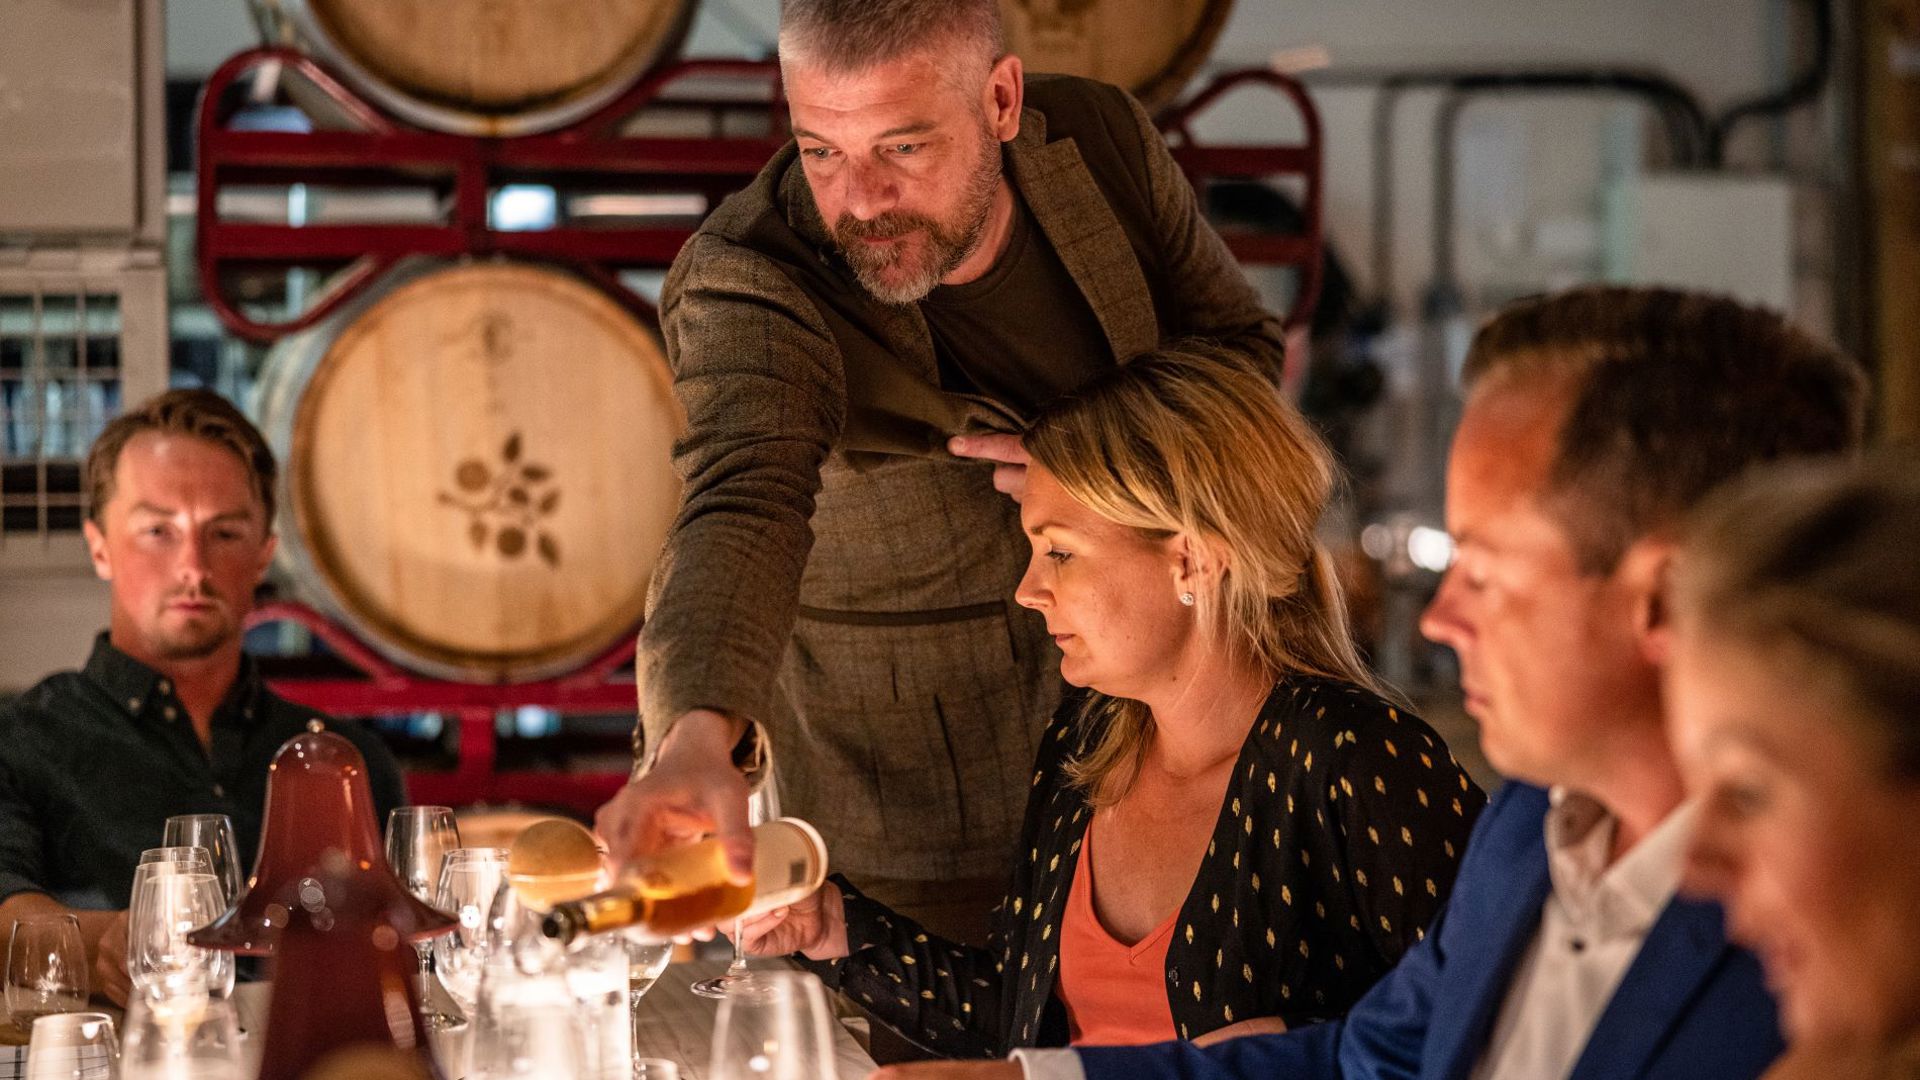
<point x="73" y="1046"/>
<point x="190" y="858"/>
<point x="764" y="806"/>
<point x="469" y="880"/>
<point x="776" y="1027"/>
<point x="168" y="904"/>
<point x="172" y="1040"/>
<point x="214" y="832"/>
<point x="418" y="839"/>
<point x="46" y="969"/>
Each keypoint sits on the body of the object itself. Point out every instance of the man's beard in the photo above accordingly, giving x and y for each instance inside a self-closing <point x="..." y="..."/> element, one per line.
<point x="198" y="639"/>
<point x="894" y="273"/>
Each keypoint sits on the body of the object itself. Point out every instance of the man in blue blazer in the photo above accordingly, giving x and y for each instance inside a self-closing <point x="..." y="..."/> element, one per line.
<point x="1594" y="421"/>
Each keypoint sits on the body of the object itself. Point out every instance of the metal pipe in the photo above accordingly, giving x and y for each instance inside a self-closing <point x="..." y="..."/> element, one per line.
<point x="1688" y="131"/>
<point x="1802" y="89"/>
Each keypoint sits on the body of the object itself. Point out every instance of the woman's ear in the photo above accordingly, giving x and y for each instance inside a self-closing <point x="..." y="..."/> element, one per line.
<point x="1197" y="564"/>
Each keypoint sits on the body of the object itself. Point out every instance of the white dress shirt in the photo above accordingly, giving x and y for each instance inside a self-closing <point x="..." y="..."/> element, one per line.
<point x="1591" y="927"/>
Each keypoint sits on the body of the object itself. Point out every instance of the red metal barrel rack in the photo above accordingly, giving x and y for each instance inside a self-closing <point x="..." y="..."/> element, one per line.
<point x="377" y="150"/>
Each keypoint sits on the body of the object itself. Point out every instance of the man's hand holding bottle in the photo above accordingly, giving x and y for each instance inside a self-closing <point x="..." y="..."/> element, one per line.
<point x="692" y="791"/>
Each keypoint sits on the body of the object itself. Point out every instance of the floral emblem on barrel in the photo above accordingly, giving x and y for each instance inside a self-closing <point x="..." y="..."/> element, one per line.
<point x="506" y="504"/>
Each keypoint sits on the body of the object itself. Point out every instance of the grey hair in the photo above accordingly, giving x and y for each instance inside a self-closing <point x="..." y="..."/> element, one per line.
<point x="855" y="35"/>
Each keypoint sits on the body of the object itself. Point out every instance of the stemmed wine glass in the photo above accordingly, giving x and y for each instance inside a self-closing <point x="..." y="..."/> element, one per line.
<point x="646" y="962"/>
<point x="776" y="1027"/>
<point x="46" y="969"/>
<point x="214" y="834"/>
<point x="190" y="858"/>
<point x="418" y="839"/>
<point x="470" y="878"/>
<point x="762" y="807"/>
<point x="171" y="900"/>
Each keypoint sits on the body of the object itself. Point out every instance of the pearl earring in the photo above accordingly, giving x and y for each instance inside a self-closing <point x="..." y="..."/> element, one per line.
<point x="1186" y="598"/>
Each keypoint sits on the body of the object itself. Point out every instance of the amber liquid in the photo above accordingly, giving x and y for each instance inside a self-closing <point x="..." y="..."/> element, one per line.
<point x="708" y="906"/>
<point x="688" y="889"/>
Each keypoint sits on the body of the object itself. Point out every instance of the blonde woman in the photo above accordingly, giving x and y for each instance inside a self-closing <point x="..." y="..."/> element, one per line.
<point x="1795" y="698"/>
<point x="1232" y="830"/>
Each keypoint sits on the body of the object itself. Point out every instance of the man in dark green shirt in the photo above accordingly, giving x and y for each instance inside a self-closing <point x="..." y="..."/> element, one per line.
<point x="168" y="716"/>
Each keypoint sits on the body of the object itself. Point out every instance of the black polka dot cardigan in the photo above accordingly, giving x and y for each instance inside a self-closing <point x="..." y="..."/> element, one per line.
<point x="1337" y="840"/>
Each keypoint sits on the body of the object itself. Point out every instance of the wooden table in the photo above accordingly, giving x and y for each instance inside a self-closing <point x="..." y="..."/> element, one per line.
<point x="675" y="1023"/>
<point x="672" y="1022"/>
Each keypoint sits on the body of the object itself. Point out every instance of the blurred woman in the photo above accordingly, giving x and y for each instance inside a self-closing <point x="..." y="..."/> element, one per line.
<point x="1795" y="696"/>
<point x="1233" y="830"/>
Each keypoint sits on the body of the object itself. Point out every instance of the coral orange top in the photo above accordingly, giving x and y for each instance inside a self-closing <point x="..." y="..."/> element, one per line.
<point x="1116" y="994"/>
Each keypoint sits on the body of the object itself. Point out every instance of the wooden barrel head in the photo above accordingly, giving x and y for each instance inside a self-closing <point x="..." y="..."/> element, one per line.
<point x="477" y="472"/>
<point x="1151" y="47"/>
<point x="493" y="66"/>
<point x="497" y="827"/>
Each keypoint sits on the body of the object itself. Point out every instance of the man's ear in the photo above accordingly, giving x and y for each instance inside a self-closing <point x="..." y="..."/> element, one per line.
<point x="267" y="548"/>
<point x="97" y="551"/>
<point x="1644" y="571"/>
<point x="1006" y="94"/>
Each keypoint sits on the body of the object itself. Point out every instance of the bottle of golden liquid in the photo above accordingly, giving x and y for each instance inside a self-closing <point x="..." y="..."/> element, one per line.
<point x="686" y="889"/>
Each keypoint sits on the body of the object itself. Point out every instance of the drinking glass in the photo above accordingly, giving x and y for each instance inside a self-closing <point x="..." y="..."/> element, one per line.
<point x="762" y="807"/>
<point x="469" y="880"/>
<point x="190" y="858"/>
<point x="528" y="1026"/>
<point x="214" y="832"/>
<point x="168" y="904"/>
<point x="646" y="961"/>
<point x="776" y="1027"/>
<point x="72" y="1046"/>
<point x="655" y="1069"/>
<point x="171" y="1041"/>
<point x="46" y="968"/>
<point x="418" y="839"/>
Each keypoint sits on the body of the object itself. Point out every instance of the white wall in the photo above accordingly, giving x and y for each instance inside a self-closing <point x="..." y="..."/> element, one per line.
<point x="50" y="608"/>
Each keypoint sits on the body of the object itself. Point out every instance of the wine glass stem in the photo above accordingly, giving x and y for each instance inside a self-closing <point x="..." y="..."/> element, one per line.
<point x="739" y="966"/>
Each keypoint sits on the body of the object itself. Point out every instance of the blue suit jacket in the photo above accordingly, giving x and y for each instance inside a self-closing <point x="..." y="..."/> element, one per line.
<point x="1691" y="1006"/>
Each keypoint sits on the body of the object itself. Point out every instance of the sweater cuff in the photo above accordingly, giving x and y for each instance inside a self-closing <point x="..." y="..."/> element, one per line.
<point x="1049" y="1065"/>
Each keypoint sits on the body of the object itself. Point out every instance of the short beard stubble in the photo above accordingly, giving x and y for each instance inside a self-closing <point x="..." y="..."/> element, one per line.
<point x="883" y="271"/>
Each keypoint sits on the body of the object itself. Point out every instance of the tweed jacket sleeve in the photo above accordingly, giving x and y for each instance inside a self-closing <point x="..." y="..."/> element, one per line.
<point x="761" y="379"/>
<point x="1210" y="295"/>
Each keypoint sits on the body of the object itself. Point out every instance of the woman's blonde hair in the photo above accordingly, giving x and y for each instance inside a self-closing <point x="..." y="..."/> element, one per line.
<point x="1193" y="439"/>
<point x="1815" y="563"/>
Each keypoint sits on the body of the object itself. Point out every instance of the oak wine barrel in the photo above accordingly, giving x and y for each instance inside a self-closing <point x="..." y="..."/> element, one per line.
<point x="475" y="468"/>
<point x="491" y="67"/>
<point x="1151" y="47"/>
